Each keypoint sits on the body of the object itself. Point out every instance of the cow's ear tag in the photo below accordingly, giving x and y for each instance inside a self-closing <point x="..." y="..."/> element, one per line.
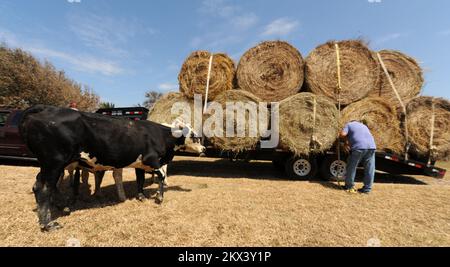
<point x="186" y="131"/>
<point x="177" y="133"/>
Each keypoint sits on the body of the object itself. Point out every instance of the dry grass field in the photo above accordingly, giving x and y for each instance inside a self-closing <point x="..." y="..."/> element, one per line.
<point x="219" y="203"/>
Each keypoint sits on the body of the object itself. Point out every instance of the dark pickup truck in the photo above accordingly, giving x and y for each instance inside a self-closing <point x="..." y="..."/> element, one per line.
<point x="12" y="146"/>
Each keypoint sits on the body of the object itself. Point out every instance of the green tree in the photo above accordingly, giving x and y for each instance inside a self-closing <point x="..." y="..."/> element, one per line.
<point x="107" y="105"/>
<point x="151" y="98"/>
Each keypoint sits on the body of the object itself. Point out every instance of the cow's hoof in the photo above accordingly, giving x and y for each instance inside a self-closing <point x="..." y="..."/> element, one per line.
<point x="141" y="197"/>
<point x="50" y="227"/>
<point x="159" y="199"/>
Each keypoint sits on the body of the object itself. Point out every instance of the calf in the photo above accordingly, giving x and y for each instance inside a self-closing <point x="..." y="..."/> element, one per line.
<point x="59" y="137"/>
<point x="117" y="175"/>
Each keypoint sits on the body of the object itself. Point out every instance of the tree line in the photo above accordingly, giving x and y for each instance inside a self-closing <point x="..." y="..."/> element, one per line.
<point x="25" y="81"/>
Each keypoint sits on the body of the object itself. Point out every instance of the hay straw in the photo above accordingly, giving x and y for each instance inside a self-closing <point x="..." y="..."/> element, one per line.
<point x="297" y="127"/>
<point x="235" y="144"/>
<point x="161" y="111"/>
<point x="271" y="71"/>
<point x="194" y="74"/>
<point x="419" y="112"/>
<point x="360" y="71"/>
<point x="382" y="120"/>
<point x="405" y="73"/>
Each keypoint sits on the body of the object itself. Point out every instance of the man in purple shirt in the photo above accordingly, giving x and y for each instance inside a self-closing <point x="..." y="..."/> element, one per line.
<point x="363" y="149"/>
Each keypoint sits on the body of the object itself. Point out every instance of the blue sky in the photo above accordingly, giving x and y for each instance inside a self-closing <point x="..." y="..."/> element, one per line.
<point x="124" y="48"/>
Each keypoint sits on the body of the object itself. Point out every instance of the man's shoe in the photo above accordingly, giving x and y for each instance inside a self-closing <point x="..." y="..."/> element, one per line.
<point x="363" y="191"/>
<point x="350" y="190"/>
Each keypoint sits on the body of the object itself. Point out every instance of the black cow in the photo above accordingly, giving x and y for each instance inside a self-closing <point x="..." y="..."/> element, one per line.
<point x="60" y="136"/>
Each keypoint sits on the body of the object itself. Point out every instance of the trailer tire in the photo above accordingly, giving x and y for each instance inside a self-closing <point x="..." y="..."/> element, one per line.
<point x="299" y="168"/>
<point x="331" y="167"/>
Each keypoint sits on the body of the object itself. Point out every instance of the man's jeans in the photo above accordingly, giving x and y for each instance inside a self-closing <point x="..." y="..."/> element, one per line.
<point x="367" y="157"/>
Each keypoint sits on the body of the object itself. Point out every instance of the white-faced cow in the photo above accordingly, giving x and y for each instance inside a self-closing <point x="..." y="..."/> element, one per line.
<point x="59" y="137"/>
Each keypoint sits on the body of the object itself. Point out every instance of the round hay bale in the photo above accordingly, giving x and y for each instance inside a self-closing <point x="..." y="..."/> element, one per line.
<point x="405" y="73"/>
<point x="161" y="111"/>
<point x="360" y="71"/>
<point x="419" y="113"/>
<point x="194" y="74"/>
<point x="271" y="71"/>
<point x="298" y="133"/>
<point x="235" y="144"/>
<point x="382" y="120"/>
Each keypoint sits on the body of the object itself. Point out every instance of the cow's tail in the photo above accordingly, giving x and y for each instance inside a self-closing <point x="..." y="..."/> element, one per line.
<point x="32" y="110"/>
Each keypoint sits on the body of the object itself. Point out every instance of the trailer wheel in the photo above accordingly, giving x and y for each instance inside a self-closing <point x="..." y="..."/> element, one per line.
<point x="298" y="168"/>
<point x="332" y="168"/>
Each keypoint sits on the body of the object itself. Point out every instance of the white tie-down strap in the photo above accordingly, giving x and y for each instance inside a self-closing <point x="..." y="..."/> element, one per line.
<point x="207" y="82"/>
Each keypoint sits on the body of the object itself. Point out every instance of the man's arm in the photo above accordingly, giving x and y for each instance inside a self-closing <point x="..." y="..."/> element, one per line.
<point x="344" y="132"/>
<point x="344" y="135"/>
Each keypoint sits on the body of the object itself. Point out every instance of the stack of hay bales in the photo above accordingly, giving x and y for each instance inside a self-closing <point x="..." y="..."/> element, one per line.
<point x="272" y="71"/>
<point x="275" y="71"/>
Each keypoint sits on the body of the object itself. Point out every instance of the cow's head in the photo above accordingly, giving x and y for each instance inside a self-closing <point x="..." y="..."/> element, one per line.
<point x="190" y="140"/>
<point x="43" y="196"/>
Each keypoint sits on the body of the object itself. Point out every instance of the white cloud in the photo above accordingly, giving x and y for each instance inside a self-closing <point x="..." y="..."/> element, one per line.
<point x="224" y="24"/>
<point x="74" y="1"/>
<point x="109" y="34"/>
<point x="88" y="64"/>
<point x="168" y="87"/>
<point x="83" y="63"/>
<point x="374" y="1"/>
<point x="388" y="38"/>
<point x="216" y="40"/>
<point x="280" y="27"/>
<point x="244" y="22"/>
<point x="220" y="8"/>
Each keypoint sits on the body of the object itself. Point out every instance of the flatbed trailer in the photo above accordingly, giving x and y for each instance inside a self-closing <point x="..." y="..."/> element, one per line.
<point x="326" y="165"/>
